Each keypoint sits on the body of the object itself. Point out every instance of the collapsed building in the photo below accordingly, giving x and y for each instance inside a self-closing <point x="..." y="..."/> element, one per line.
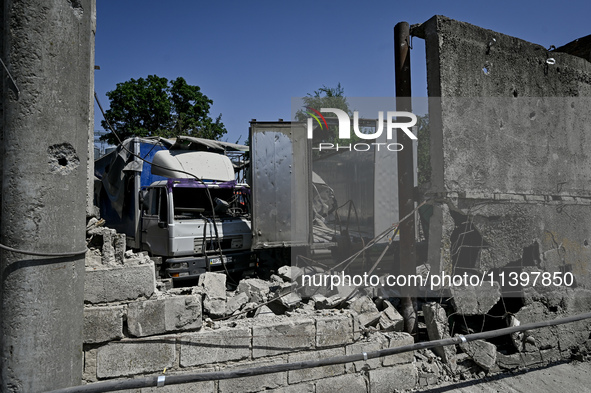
<point x="508" y="200"/>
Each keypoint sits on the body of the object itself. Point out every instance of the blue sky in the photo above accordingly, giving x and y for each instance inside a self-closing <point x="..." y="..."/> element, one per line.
<point x="252" y="57"/>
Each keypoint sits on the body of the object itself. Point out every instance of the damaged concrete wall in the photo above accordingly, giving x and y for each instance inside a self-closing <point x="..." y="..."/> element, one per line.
<point x="509" y="151"/>
<point x="137" y="326"/>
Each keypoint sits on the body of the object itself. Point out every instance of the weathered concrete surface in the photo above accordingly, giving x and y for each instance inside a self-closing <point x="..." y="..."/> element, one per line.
<point x="214" y="285"/>
<point x="482" y="353"/>
<point x="457" y="55"/>
<point x="47" y="47"/>
<point x="475" y="300"/>
<point x="344" y="383"/>
<point x="569" y="377"/>
<point x="390" y="319"/>
<point x="256" y="289"/>
<point x="306" y="387"/>
<point x="195" y="387"/>
<point x="334" y="330"/>
<point x="398" y="339"/>
<point x="438" y="328"/>
<point x="215" y="346"/>
<point x="360" y="347"/>
<point x="150" y="317"/>
<point x="255" y="383"/>
<point x="296" y="376"/>
<point x="131" y="357"/>
<point x="510" y="152"/>
<point x="102" y="324"/>
<point x="281" y="337"/>
<point x="390" y="379"/>
<point x="129" y="282"/>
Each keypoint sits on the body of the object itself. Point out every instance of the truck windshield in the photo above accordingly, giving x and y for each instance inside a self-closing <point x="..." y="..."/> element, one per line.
<point x="194" y="202"/>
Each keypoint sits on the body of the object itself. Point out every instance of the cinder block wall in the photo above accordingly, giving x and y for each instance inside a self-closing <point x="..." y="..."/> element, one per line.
<point x="132" y="330"/>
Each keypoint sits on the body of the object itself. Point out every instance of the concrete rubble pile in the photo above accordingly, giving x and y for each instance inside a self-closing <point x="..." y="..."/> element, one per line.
<point x="124" y="303"/>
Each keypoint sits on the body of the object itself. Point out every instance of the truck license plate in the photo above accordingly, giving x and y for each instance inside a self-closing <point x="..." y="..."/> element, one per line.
<point x="217" y="261"/>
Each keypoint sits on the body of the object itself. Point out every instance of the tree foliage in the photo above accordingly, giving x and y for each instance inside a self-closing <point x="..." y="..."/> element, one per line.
<point x="156" y="107"/>
<point x="325" y="97"/>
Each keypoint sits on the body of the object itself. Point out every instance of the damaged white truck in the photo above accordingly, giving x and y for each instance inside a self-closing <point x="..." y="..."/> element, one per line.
<point x="180" y="200"/>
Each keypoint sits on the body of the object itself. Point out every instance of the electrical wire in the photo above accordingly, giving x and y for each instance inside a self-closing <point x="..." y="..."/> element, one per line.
<point x="43" y="254"/>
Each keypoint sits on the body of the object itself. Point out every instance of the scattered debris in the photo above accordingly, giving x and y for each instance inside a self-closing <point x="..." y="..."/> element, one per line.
<point x="481" y="352"/>
<point x="390" y="318"/>
<point x="473" y="300"/>
<point x="438" y="328"/>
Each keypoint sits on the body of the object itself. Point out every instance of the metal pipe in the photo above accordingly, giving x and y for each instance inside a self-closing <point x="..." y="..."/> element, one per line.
<point x="406" y="200"/>
<point x="109" y="386"/>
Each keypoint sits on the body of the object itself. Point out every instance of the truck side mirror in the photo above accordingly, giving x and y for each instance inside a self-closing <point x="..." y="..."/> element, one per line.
<point x="144" y="203"/>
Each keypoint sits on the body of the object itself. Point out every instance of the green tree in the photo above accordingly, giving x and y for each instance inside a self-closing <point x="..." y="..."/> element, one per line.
<point x="325" y="97"/>
<point x="156" y="107"/>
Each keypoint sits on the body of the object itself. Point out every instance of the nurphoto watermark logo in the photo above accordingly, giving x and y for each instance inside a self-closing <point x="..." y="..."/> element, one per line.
<point x="393" y="121"/>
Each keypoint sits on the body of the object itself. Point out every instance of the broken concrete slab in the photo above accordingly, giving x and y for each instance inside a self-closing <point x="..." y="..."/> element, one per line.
<point x="290" y="273"/>
<point x="307" y="290"/>
<point x="214" y="287"/>
<point x="543" y="338"/>
<point x="362" y="305"/>
<point x="111" y="244"/>
<point x="150" y="317"/>
<point x="438" y="328"/>
<point x="290" y="300"/>
<point x="475" y="300"/>
<point x="367" y="312"/>
<point x="390" y="318"/>
<point x="368" y="319"/>
<point x="527" y="359"/>
<point x="324" y="303"/>
<point x="255" y="288"/>
<point x="131" y="281"/>
<point x="236" y="302"/>
<point x="482" y="353"/>
<point x="264" y="312"/>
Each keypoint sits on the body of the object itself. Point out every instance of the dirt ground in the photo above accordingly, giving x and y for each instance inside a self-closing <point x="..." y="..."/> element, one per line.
<point x="561" y="378"/>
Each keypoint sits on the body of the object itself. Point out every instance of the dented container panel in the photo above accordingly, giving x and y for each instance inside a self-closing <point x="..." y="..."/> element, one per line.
<point x="281" y="181"/>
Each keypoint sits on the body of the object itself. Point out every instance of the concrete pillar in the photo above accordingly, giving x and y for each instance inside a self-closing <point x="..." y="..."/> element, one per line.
<point x="90" y="210"/>
<point x="47" y="49"/>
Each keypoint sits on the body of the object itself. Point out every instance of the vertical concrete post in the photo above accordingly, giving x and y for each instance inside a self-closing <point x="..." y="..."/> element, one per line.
<point x="406" y="200"/>
<point x="90" y="210"/>
<point x="46" y="49"/>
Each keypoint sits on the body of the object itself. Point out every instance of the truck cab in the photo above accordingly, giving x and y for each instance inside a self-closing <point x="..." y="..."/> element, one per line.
<point x="199" y="218"/>
<point x="194" y="224"/>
